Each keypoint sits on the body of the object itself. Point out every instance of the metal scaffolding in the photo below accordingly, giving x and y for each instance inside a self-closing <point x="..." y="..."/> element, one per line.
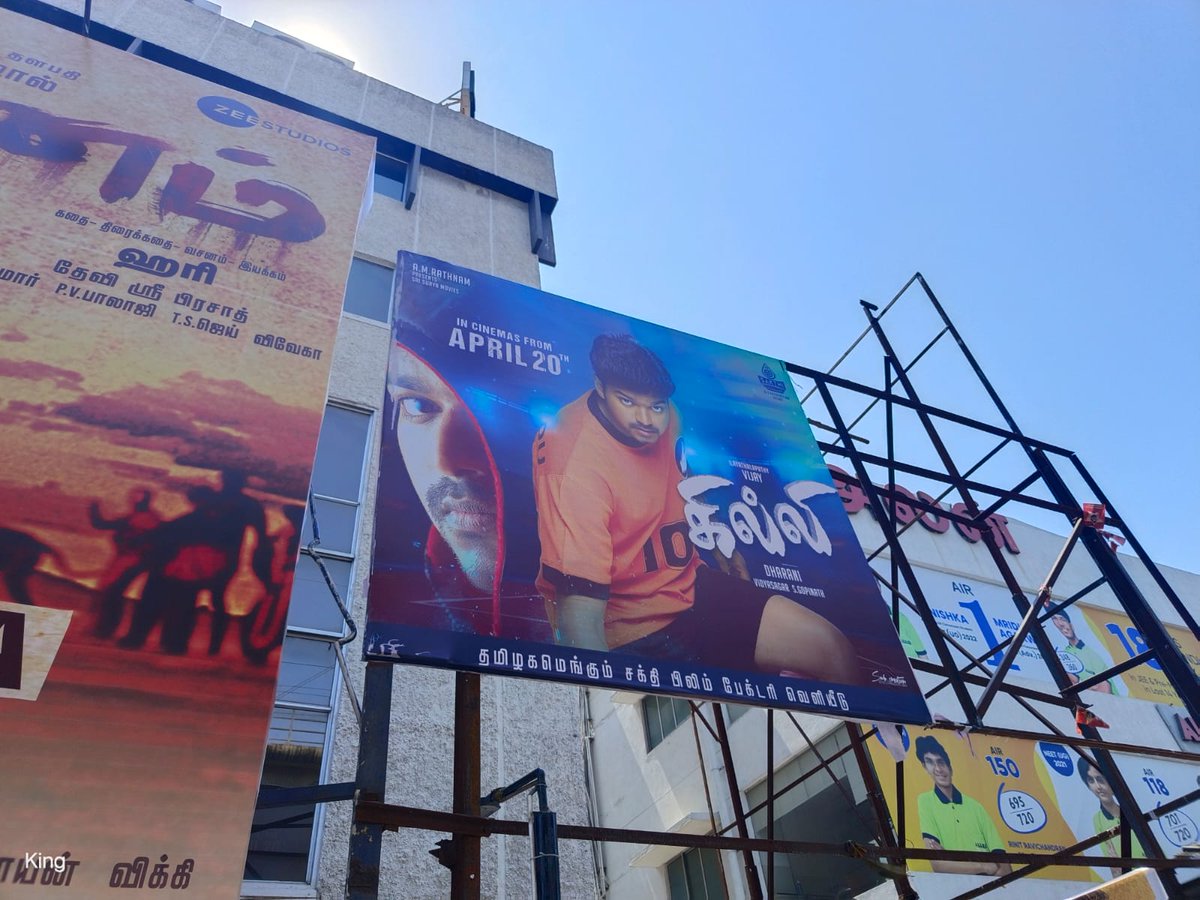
<point x="1042" y="486"/>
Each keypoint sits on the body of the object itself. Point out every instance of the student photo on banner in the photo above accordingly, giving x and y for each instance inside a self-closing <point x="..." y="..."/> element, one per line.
<point x="950" y="820"/>
<point x="1080" y="651"/>
<point x="966" y="792"/>
<point x="1108" y="815"/>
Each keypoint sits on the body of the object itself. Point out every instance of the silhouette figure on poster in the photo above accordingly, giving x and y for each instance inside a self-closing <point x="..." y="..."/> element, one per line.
<point x="198" y="551"/>
<point x="20" y="554"/>
<point x="129" y="537"/>
<point x="263" y="628"/>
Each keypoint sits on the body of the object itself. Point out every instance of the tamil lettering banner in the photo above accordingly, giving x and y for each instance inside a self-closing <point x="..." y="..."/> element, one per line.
<point x="985" y="794"/>
<point x="571" y="494"/>
<point x="172" y="261"/>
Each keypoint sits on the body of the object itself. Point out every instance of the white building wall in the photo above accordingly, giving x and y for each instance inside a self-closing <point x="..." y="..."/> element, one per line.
<point x="653" y="790"/>
<point x="525" y="724"/>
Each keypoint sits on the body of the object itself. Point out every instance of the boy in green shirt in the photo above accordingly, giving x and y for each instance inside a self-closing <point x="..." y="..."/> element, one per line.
<point x="951" y="820"/>
<point x="1088" y="661"/>
<point x="1109" y="814"/>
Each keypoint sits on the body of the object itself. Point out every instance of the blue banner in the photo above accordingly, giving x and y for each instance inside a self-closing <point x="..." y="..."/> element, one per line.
<point x="572" y="494"/>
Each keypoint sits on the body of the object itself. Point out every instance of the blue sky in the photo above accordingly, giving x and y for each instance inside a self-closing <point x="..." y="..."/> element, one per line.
<point x="749" y="171"/>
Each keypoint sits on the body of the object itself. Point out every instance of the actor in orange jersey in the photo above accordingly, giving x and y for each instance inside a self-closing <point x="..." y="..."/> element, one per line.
<point x="618" y="570"/>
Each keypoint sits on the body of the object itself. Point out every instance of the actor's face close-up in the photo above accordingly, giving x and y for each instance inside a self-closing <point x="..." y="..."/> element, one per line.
<point x="641" y="417"/>
<point x="447" y="463"/>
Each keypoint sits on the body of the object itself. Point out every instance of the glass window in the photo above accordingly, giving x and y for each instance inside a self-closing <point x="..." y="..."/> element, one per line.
<point x="391" y="177"/>
<point x="337" y="471"/>
<point x="313" y="607"/>
<point x="283" y="838"/>
<point x="823" y="807"/>
<point x="696" y="875"/>
<point x="388" y="186"/>
<point x="369" y="290"/>
<point x="306" y="672"/>
<point x="335" y="521"/>
<point x="662" y="715"/>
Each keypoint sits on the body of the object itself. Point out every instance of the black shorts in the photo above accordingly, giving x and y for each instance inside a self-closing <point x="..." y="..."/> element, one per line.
<point x="721" y="628"/>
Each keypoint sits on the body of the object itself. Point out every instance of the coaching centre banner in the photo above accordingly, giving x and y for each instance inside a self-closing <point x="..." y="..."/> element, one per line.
<point x="172" y="262"/>
<point x="1087" y="639"/>
<point x="570" y="494"/>
<point x="987" y="794"/>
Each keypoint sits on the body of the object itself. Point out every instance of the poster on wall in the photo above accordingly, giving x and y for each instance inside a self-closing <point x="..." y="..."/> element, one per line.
<point x="978" y="616"/>
<point x="1087" y="639"/>
<point x="986" y="794"/>
<point x="570" y="494"/>
<point x="172" y="262"/>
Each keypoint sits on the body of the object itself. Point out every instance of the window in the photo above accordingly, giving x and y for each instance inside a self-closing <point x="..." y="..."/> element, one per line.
<point x="662" y="715"/>
<point x="823" y="809"/>
<point x="369" y="291"/>
<point x="282" y="839"/>
<point x="696" y="875"/>
<point x="391" y="177"/>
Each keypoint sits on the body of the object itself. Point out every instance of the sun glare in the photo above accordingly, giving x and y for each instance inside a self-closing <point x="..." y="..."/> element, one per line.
<point x="318" y="33"/>
<point x="306" y="21"/>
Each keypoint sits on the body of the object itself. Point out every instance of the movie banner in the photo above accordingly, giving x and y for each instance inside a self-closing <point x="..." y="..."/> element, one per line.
<point x="987" y="794"/>
<point x="172" y="262"/>
<point x="1088" y="639"/>
<point x="570" y="494"/>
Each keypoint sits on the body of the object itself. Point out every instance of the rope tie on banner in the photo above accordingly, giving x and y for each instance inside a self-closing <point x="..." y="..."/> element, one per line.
<point x="1084" y="717"/>
<point x="963" y="732"/>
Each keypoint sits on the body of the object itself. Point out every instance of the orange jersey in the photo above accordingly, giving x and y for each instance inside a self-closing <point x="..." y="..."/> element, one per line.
<point x="610" y="521"/>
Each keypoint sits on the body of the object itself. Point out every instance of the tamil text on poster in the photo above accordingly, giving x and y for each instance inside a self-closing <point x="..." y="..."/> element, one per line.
<point x="172" y="260"/>
<point x="572" y="494"/>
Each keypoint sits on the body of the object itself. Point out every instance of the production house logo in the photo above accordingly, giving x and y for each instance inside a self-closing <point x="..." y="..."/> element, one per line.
<point x="237" y="114"/>
<point x="768" y="380"/>
<point x="228" y="112"/>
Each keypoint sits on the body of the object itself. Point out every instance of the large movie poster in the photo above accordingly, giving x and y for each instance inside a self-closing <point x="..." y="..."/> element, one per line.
<point x="172" y="261"/>
<point x="989" y="794"/>
<point x="571" y="494"/>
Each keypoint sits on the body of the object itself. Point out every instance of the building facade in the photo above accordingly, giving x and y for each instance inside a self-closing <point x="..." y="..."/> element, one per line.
<point x="658" y="769"/>
<point x="451" y="187"/>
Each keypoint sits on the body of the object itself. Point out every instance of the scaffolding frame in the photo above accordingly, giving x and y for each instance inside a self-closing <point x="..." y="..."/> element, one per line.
<point x="904" y="588"/>
<point x="372" y="814"/>
<point x="889" y="853"/>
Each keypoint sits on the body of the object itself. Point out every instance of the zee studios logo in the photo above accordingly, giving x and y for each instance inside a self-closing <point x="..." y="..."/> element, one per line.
<point x="237" y="114"/>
